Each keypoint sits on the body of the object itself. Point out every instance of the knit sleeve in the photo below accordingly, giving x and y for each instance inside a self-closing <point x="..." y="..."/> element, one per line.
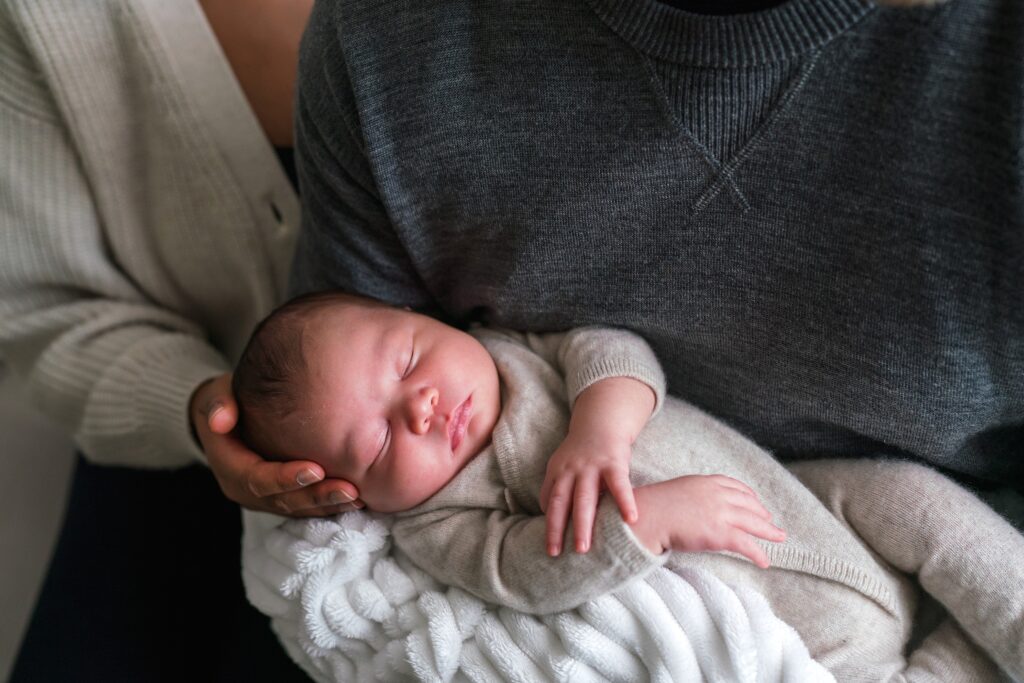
<point x="499" y="556"/>
<point x="113" y="369"/>
<point x="587" y="355"/>
<point x="347" y="240"/>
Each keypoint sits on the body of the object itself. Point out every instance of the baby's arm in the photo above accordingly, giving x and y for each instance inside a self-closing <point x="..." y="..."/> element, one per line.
<point x="499" y="556"/>
<point x="615" y="384"/>
<point x="606" y="419"/>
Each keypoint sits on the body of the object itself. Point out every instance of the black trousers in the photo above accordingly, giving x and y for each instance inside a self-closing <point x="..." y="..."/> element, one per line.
<point x="145" y="586"/>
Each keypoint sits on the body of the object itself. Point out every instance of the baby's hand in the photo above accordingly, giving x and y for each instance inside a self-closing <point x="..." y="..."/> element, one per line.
<point x="576" y="474"/>
<point x="699" y="513"/>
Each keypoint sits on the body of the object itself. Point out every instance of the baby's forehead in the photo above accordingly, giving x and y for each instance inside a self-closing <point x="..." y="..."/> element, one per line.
<point x="341" y="326"/>
<point x="345" y="351"/>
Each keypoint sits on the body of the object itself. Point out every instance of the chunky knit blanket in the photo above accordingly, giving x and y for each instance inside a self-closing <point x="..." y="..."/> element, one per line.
<point x="349" y="607"/>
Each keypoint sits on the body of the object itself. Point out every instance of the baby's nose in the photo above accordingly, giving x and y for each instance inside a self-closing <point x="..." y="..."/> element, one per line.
<point x="421" y="412"/>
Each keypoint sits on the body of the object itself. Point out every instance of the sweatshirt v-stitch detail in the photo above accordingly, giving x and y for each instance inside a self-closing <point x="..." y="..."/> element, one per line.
<point x="723" y="108"/>
<point x="722" y="105"/>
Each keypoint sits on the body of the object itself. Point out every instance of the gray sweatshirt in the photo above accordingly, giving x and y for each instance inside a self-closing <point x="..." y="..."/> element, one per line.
<point x="813" y="213"/>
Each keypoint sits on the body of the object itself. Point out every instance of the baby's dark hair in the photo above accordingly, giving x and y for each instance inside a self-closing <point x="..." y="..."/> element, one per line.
<point x="268" y="380"/>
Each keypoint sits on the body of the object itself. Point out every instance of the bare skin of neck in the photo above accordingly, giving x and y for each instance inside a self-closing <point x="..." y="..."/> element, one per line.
<point x="261" y="41"/>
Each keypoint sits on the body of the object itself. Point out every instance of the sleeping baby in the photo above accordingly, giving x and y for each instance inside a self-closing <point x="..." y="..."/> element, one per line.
<point x="469" y="438"/>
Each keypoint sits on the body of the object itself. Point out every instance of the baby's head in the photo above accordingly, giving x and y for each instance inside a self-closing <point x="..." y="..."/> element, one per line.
<point x="393" y="401"/>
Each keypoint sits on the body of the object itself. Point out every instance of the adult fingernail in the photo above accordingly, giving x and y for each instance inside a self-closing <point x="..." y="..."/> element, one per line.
<point x="339" y="497"/>
<point x="307" y="477"/>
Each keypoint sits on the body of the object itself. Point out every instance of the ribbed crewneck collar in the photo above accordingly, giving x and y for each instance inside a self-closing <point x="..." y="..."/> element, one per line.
<point x="784" y="32"/>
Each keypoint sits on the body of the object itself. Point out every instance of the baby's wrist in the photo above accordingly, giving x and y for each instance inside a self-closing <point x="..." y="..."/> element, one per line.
<point x="600" y="433"/>
<point x="648" y="528"/>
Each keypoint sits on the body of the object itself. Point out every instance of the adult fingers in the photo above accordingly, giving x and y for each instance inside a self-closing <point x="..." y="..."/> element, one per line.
<point x="559" y="501"/>
<point x="584" y="505"/>
<point x="621" y="489"/>
<point x="222" y="416"/>
<point x="328" y="493"/>
<point x="267" y="478"/>
<point x="229" y="459"/>
<point x="213" y="406"/>
<point x="315" y="501"/>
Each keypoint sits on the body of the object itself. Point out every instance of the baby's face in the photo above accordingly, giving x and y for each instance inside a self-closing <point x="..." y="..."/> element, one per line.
<point x="398" y="402"/>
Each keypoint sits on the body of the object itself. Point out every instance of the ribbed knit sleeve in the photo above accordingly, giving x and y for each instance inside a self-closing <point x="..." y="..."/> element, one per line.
<point x="113" y="369"/>
<point x="499" y="556"/>
<point x="589" y="354"/>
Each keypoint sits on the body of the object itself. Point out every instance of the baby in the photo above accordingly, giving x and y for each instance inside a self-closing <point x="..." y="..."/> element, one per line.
<point x="398" y="403"/>
<point x="468" y="438"/>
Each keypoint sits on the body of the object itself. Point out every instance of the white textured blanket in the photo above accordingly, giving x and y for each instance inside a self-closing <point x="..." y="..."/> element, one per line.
<point x="348" y="607"/>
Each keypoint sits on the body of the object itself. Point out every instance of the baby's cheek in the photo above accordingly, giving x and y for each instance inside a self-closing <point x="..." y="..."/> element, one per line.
<point x="334" y="468"/>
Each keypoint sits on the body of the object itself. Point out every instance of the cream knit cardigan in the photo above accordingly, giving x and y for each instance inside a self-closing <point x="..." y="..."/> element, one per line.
<point x="145" y="223"/>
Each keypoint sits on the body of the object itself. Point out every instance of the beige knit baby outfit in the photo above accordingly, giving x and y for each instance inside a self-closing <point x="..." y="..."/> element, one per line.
<point x="854" y="527"/>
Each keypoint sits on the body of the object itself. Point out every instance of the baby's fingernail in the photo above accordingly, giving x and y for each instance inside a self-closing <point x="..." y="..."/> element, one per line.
<point x="582" y="547"/>
<point x="339" y="497"/>
<point x="307" y="477"/>
<point x="213" y="408"/>
<point x="553" y="550"/>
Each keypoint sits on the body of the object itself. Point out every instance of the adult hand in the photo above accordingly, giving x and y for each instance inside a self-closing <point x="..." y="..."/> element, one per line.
<point x="296" y="488"/>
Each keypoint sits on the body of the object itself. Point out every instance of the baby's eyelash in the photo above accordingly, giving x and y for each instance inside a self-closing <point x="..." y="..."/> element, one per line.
<point x="384" y="445"/>
<point x="408" y="366"/>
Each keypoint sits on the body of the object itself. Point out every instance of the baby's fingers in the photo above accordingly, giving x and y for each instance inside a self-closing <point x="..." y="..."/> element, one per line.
<point x="622" y="491"/>
<point x="730" y="483"/>
<point x="751" y="503"/>
<point x="559" y="502"/>
<point x="545" y="489"/>
<point x="584" y="505"/>
<point x="746" y="546"/>
<point x="754" y="524"/>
